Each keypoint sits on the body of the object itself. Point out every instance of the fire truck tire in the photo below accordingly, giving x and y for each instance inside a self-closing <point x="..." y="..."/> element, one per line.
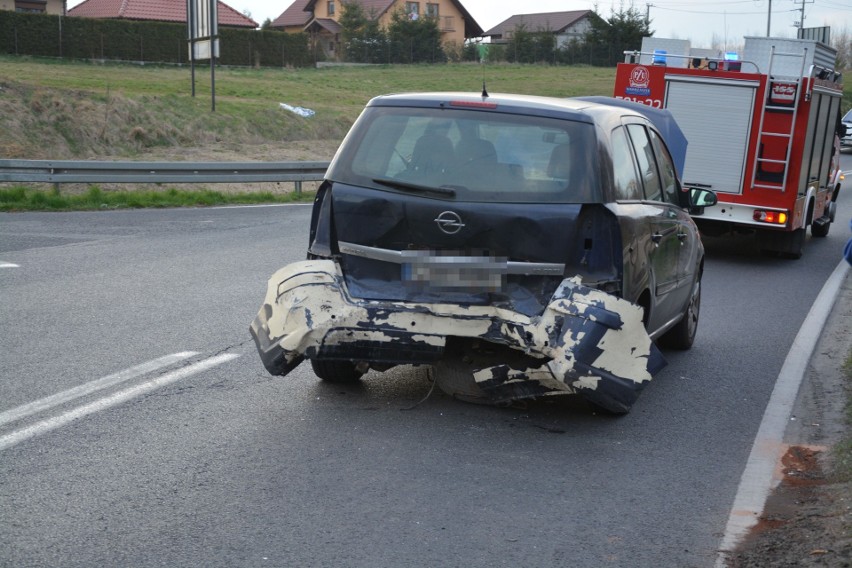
<point x="785" y="245"/>
<point x="820" y="230"/>
<point x="795" y="242"/>
<point x="682" y="335"/>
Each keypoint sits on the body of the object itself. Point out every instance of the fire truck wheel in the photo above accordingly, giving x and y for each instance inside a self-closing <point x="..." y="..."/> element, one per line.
<point x="682" y="335"/>
<point x="795" y="241"/>
<point x="784" y="245"/>
<point x="820" y="230"/>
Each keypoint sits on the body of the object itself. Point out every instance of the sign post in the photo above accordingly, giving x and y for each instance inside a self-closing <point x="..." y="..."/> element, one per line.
<point x="202" y="21"/>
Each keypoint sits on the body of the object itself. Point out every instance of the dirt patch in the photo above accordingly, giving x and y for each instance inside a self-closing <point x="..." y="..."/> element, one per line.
<point x="805" y="522"/>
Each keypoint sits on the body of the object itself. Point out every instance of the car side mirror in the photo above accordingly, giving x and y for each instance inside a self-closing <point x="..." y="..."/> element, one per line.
<point x="699" y="198"/>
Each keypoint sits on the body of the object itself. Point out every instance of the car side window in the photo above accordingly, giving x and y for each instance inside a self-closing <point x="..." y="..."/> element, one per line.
<point x="647" y="165"/>
<point x="625" y="178"/>
<point x="667" y="169"/>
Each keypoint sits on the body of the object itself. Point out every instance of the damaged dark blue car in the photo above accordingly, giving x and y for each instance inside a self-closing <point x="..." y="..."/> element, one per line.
<point x="522" y="246"/>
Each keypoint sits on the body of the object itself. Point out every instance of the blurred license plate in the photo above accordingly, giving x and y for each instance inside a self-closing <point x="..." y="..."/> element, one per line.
<point x="482" y="274"/>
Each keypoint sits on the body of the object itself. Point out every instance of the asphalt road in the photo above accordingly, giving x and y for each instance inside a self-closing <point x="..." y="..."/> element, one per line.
<point x="205" y="460"/>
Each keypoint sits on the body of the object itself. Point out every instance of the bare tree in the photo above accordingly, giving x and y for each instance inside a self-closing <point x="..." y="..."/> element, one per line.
<point x="842" y="42"/>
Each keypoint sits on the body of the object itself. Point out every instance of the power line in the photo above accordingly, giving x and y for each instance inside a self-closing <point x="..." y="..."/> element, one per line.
<point x="658" y="7"/>
<point x="710" y="3"/>
<point x="835" y="5"/>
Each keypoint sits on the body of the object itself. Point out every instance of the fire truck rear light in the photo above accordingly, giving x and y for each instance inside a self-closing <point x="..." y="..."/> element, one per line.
<point x="770" y="217"/>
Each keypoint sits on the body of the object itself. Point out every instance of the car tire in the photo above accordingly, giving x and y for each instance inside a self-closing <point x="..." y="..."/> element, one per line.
<point x="454" y="377"/>
<point x="336" y="371"/>
<point x="682" y="335"/>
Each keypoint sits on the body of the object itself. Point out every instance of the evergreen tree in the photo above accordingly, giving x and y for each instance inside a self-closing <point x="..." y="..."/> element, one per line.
<point x="531" y="47"/>
<point x="609" y="38"/>
<point x="363" y="40"/>
<point x="414" y="40"/>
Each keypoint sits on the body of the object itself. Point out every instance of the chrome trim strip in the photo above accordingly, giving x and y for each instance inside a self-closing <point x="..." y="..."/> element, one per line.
<point x="424" y="257"/>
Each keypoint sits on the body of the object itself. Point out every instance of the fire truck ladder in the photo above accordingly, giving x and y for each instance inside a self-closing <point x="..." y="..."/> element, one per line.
<point x="796" y="83"/>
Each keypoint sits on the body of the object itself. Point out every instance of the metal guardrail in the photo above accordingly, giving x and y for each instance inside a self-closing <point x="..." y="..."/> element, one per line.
<point x="79" y="171"/>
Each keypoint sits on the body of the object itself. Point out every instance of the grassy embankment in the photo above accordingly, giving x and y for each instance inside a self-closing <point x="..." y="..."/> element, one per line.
<point x="79" y="110"/>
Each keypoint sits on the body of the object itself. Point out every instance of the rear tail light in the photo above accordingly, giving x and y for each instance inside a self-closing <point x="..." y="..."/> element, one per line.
<point x="770" y="217"/>
<point x="473" y="104"/>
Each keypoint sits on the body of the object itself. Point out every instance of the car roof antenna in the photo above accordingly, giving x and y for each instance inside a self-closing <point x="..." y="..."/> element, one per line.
<point x="484" y="91"/>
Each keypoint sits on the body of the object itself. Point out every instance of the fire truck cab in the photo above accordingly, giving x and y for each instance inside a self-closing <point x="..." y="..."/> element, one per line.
<point x="761" y="129"/>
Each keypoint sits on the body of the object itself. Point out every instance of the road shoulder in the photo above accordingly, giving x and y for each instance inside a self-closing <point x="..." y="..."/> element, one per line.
<point x="807" y="518"/>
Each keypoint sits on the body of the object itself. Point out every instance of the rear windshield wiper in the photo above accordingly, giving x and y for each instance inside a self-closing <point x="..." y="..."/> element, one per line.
<point x="415" y="187"/>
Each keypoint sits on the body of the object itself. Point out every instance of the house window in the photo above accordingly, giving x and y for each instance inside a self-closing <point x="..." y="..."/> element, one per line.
<point x="331" y="7"/>
<point x="413" y="10"/>
<point x="32" y="7"/>
<point x="432" y="10"/>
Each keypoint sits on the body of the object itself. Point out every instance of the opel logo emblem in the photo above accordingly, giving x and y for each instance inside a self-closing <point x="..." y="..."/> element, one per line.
<point x="449" y="222"/>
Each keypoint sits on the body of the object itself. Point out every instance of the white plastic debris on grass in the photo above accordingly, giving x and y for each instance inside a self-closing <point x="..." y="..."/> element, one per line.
<point x="301" y="111"/>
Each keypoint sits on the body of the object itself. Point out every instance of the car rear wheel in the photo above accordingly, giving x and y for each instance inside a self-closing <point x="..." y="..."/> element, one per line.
<point x="682" y="335"/>
<point x="336" y="371"/>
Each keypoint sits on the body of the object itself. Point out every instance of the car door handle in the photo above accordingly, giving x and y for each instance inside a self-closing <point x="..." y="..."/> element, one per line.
<point x="657" y="237"/>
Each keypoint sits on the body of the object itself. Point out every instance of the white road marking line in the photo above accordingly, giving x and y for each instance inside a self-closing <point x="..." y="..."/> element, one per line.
<point x="119" y="397"/>
<point x="8" y="265"/>
<point x="759" y="477"/>
<point x="92" y="386"/>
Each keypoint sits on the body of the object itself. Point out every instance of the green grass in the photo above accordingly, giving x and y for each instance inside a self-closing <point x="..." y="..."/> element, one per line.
<point x="58" y="110"/>
<point x="339" y="92"/>
<point x="26" y="199"/>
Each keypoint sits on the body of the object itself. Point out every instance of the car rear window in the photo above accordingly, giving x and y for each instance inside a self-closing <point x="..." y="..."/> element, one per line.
<point x="477" y="155"/>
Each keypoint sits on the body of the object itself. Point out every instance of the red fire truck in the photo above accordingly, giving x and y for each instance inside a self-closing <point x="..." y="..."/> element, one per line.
<point x="760" y="127"/>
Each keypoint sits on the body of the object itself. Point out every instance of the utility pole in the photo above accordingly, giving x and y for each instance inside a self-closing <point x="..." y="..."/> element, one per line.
<point x="801" y="23"/>
<point x="769" y="19"/>
<point x="648" y="14"/>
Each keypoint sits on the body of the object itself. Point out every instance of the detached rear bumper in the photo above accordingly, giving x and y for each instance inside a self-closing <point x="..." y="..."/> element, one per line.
<point x="585" y="341"/>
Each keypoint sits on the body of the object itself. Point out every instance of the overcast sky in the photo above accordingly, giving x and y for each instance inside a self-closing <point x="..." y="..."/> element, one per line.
<point x="700" y="21"/>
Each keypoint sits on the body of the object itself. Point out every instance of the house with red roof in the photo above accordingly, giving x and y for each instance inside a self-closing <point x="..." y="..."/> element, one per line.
<point x="566" y="26"/>
<point x="156" y="11"/>
<point x="294" y="18"/>
<point x="320" y="18"/>
<point x="51" y="7"/>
